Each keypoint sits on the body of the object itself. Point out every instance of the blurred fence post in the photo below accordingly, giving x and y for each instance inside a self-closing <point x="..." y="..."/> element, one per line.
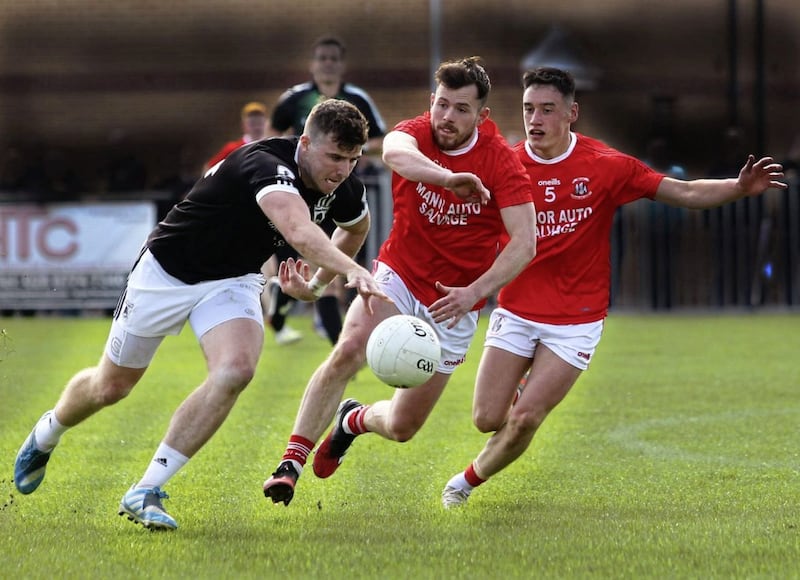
<point x="379" y="195"/>
<point x="743" y="255"/>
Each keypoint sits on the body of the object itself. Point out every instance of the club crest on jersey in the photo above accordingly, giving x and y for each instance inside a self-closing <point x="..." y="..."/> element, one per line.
<point x="580" y="188"/>
<point x="321" y="208"/>
<point x="285" y="176"/>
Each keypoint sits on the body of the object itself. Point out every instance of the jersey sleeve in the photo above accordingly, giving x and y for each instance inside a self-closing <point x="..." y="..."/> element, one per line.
<point x="266" y="173"/>
<point x="639" y="179"/>
<point x="419" y="128"/>
<point x="350" y="205"/>
<point x="284" y="113"/>
<point x="377" y="128"/>
<point x="511" y="184"/>
<point x="365" y="104"/>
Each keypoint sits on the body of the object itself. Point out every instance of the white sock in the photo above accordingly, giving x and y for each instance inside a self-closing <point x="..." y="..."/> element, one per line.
<point x="166" y="463"/>
<point x="460" y="482"/>
<point x="346" y="419"/>
<point x="48" y="431"/>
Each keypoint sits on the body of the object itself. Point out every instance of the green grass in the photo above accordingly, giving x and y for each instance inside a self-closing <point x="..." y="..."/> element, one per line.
<point x="675" y="456"/>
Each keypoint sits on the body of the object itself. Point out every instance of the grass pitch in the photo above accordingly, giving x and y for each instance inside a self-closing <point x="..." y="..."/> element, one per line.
<point x="676" y="455"/>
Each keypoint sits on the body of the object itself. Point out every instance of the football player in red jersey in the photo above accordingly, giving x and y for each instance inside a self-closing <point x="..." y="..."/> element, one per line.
<point x="456" y="187"/>
<point x="549" y="318"/>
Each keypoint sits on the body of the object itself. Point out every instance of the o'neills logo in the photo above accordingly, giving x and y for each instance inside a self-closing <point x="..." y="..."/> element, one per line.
<point x="580" y="188"/>
<point x="454" y="363"/>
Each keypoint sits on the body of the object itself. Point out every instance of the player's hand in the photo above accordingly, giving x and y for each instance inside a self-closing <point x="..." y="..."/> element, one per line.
<point x="756" y="176"/>
<point x="455" y="303"/>
<point x="362" y="282"/>
<point x="293" y="276"/>
<point x="469" y="187"/>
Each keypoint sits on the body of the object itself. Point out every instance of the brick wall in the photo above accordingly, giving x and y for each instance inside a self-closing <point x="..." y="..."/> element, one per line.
<point x="158" y="76"/>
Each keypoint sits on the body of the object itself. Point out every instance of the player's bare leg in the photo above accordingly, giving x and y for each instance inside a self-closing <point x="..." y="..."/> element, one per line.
<point x="329" y="381"/>
<point x="232" y="350"/>
<point x="400" y="418"/>
<point x="94" y="388"/>
<point x="549" y="381"/>
<point x="397" y="419"/>
<point x="87" y="392"/>
<point x="323" y="394"/>
<point x="496" y="383"/>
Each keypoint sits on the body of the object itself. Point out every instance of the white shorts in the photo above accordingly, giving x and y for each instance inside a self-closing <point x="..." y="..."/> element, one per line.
<point x="573" y="343"/>
<point x="454" y="341"/>
<point x="155" y="304"/>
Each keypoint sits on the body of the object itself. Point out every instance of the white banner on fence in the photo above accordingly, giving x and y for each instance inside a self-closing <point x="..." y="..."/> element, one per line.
<point x="66" y="256"/>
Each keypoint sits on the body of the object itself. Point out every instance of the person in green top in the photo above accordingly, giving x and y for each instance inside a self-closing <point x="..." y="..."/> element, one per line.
<point x="327" y="68"/>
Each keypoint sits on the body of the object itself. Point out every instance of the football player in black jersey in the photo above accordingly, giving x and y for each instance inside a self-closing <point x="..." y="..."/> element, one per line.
<point x="327" y="67"/>
<point x="202" y="264"/>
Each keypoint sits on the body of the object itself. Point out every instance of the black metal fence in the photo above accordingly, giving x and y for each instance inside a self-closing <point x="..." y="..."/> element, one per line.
<point x="744" y="254"/>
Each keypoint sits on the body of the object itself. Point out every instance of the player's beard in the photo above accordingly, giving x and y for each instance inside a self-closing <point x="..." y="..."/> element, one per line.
<point x="448" y="141"/>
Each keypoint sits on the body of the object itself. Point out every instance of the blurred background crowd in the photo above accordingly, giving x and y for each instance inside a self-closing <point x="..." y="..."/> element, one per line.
<point x="131" y="99"/>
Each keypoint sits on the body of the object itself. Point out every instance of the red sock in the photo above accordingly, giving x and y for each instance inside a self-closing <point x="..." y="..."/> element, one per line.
<point x="472" y="478"/>
<point x="298" y="449"/>
<point x="355" y="420"/>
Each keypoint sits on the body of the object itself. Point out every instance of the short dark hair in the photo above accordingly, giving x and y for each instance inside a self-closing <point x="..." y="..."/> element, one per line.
<point x="461" y="73"/>
<point x="346" y="125"/>
<point x="328" y="40"/>
<point x="560" y="79"/>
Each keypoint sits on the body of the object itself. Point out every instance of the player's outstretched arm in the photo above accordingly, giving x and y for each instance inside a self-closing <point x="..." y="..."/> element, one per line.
<point x="754" y="179"/>
<point x="401" y="153"/>
<point x="360" y="280"/>
<point x="468" y="187"/>
<point x="289" y="214"/>
<point x="294" y="277"/>
<point x="349" y="240"/>
<point x="758" y="176"/>
<point x="296" y="281"/>
<point x="520" y="223"/>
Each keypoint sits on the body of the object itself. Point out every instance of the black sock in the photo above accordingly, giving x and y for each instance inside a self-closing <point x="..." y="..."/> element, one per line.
<point x="280" y="305"/>
<point x="329" y="315"/>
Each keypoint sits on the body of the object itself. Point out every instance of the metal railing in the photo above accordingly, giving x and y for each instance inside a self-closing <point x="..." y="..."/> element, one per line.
<point x="744" y="254"/>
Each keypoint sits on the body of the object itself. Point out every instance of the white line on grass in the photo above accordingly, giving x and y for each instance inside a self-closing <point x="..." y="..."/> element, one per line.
<point x="632" y="437"/>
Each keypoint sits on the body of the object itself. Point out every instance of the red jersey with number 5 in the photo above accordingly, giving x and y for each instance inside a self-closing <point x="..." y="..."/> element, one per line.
<point x="576" y="197"/>
<point x="437" y="236"/>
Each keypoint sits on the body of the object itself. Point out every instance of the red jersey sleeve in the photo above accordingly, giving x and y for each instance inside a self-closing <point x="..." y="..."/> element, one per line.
<point x="576" y="197"/>
<point x="438" y="237"/>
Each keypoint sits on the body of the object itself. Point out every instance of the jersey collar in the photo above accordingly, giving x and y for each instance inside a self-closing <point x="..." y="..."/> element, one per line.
<point x="573" y="140"/>
<point x="466" y="147"/>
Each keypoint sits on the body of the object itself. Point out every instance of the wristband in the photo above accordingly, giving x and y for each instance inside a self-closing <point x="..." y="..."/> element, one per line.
<point x="316" y="287"/>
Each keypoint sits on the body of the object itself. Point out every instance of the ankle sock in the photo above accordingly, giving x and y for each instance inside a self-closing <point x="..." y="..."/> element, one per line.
<point x="297" y="451"/>
<point x="166" y="463"/>
<point x="466" y="481"/>
<point x="353" y="422"/>
<point x="458" y="482"/>
<point x="48" y="431"/>
<point x="472" y="478"/>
